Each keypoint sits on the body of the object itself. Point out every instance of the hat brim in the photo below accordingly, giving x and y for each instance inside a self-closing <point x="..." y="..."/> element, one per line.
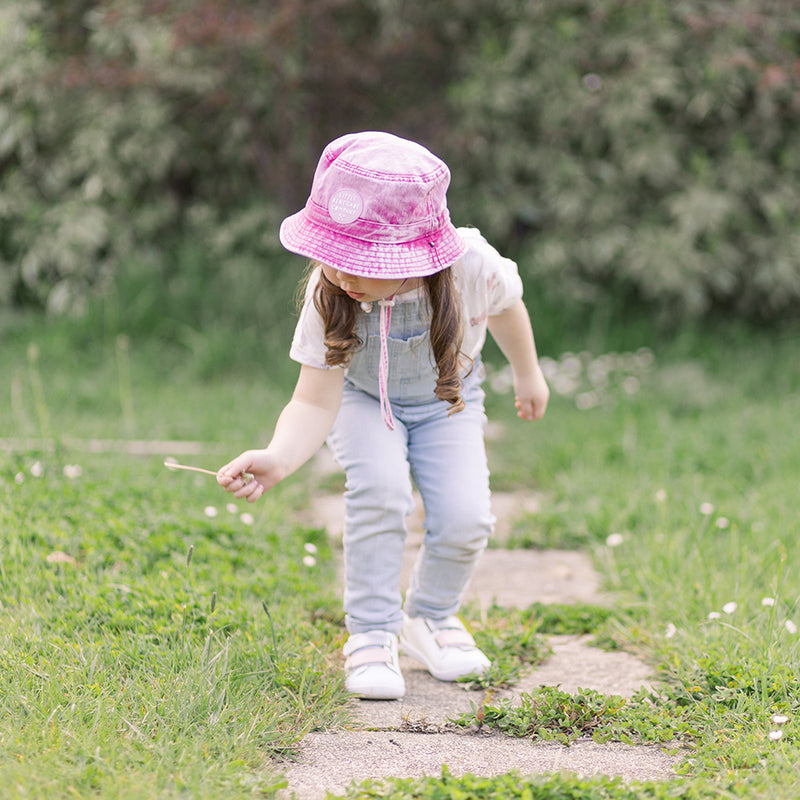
<point x="369" y="259"/>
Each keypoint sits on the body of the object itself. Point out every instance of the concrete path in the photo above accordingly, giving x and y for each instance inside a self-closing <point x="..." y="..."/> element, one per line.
<point x="415" y="736"/>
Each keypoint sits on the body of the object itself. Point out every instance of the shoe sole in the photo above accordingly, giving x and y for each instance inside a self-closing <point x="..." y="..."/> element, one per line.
<point x="378" y="693"/>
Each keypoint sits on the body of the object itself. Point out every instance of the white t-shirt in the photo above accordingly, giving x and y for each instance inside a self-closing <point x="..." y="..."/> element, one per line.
<point x="487" y="284"/>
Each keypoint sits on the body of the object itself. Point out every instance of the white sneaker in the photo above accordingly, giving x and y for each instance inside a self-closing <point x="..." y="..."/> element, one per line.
<point x="445" y="647"/>
<point x="371" y="670"/>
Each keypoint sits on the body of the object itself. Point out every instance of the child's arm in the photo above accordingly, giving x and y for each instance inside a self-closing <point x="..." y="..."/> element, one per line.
<point x="300" y="431"/>
<point x="513" y="333"/>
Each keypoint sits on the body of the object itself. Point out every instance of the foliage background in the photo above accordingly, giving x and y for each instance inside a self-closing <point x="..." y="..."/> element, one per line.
<point x="640" y="151"/>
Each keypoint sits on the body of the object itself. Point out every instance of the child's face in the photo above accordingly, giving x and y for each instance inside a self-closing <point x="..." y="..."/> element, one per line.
<point x="365" y="290"/>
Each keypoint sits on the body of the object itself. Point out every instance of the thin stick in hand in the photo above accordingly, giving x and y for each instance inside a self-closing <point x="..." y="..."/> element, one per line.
<point x="172" y="464"/>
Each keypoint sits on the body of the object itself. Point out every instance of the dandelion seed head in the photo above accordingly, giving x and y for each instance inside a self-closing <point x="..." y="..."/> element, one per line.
<point x="790" y="627"/>
<point x="37" y="469"/>
<point x="72" y="471"/>
<point x="722" y="523"/>
<point x="779" y="719"/>
<point x="706" y="508"/>
<point x="661" y="495"/>
<point x="246" y="518"/>
<point x="309" y="547"/>
<point x="571" y="365"/>
<point x="232" y="508"/>
<point x="210" y="511"/>
<point x="502" y="381"/>
<point x="729" y="608"/>
<point x="564" y="384"/>
<point x="597" y="372"/>
<point x="630" y="385"/>
<point x="644" y="358"/>
<point x="615" y="539"/>
<point x="768" y="601"/>
<point x="586" y="400"/>
<point x="775" y="735"/>
<point x="548" y="366"/>
<point x="309" y="560"/>
<point x="19" y="478"/>
<point x="714" y="615"/>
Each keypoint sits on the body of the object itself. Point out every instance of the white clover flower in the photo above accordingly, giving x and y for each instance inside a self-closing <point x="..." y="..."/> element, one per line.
<point x="309" y="561"/>
<point x="670" y="631"/>
<point x="722" y="523"/>
<point x="779" y="719"/>
<point x="768" y="602"/>
<point x="72" y="471"/>
<point x="729" y="608"/>
<point x="19" y="478"/>
<point x="661" y="495"/>
<point x="790" y="627"/>
<point x="614" y="539"/>
<point x="210" y="511"/>
<point x="714" y="615"/>
<point x="246" y="518"/>
<point x="309" y="547"/>
<point x="775" y="735"/>
<point x="706" y="509"/>
<point x="37" y="469"/>
<point x="232" y="508"/>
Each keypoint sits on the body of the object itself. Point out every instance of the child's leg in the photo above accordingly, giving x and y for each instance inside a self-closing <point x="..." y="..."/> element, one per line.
<point x="449" y="466"/>
<point x="377" y="501"/>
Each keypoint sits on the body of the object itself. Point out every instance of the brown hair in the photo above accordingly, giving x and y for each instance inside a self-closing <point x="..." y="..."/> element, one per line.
<point x="340" y="313"/>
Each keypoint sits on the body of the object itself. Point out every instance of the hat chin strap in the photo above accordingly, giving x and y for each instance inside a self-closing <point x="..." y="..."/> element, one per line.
<point x="383" y="365"/>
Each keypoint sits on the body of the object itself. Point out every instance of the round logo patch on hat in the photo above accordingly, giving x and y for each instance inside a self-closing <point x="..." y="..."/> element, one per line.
<point x="345" y="206"/>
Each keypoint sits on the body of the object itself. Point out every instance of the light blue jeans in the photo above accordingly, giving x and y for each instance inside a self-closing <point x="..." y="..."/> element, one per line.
<point x="445" y="457"/>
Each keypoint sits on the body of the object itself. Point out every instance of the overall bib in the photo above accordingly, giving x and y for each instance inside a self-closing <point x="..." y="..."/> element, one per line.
<point x="443" y="455"/>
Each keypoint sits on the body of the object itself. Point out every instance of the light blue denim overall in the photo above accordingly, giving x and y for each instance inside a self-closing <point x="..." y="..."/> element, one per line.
<point x="445" y="457"/>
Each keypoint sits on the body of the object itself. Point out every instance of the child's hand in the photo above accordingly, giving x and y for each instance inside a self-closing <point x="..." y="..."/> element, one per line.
<point x="264" y="466"/>
<point x="532" y="394"/>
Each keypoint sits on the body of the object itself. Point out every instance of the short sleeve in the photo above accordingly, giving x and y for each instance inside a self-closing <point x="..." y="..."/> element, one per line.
<point x="308" y="343"/>
<point x="500" y="276"/>
<point x="488" y="284"/>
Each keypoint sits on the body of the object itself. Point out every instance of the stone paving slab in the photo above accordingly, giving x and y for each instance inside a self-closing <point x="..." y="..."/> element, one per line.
<point x="330" y="762"/>
<point x="431" y="705"/>
<point x="575" y="665"/>
<point x="415" y="736"/>
<point x="509" y="578"/>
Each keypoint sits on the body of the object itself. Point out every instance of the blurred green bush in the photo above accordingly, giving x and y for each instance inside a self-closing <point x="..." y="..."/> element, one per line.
<point x="647" y="150"/>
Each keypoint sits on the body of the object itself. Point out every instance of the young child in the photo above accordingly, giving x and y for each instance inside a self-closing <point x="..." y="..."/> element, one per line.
<point x="389" y="341"/>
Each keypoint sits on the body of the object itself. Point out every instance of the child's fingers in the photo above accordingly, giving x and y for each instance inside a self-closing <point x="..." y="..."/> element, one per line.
<point x="526" y="409"/>
<point x="250" y="491"/>
<point x="232" y="471"/>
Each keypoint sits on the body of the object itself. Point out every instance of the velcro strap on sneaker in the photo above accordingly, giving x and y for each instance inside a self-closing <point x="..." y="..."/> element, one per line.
<point x="454" y="637"/>
<point x="368" y="655"/>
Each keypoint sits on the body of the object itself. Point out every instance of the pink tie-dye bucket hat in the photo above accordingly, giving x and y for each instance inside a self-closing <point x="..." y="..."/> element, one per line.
<point x="377" y="209"/>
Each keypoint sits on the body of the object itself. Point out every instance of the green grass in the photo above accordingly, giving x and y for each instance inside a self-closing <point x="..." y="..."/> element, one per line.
<point x="170" y="653"/>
